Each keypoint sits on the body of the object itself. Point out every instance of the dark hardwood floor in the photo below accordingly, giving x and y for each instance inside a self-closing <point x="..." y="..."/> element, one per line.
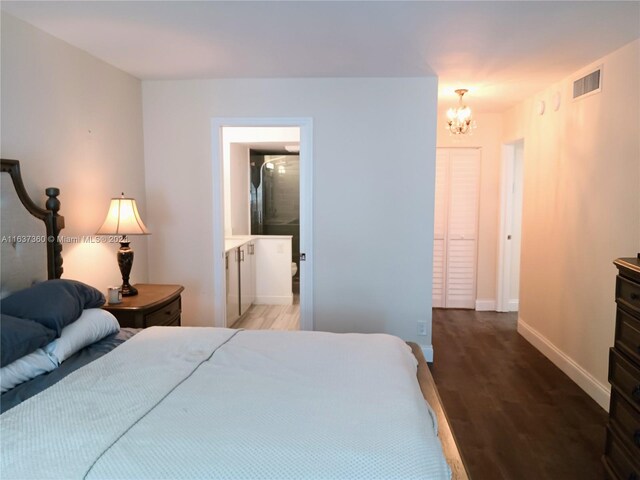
<point x="515" y="415"/>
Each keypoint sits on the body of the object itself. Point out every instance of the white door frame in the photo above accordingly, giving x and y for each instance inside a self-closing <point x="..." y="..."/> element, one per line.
<point x="506" y="218"/>
<point x="306" y="211"/>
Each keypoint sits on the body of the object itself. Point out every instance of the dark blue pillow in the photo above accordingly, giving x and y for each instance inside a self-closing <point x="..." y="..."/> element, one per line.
<point x="54" y="303"/>
<point x="20" y="337"/>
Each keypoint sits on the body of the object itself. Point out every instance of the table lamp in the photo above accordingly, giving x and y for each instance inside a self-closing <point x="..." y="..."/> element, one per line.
<point x="123" y="219"/>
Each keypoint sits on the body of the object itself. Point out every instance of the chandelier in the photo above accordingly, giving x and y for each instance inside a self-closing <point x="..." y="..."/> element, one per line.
<point x="459" y="119"/>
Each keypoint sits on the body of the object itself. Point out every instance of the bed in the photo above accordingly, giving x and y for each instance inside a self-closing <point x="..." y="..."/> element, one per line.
<point x="193" y="402"/>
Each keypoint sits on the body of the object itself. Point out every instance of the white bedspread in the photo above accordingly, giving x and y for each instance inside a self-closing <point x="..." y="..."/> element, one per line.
<point x="196" y="403"/>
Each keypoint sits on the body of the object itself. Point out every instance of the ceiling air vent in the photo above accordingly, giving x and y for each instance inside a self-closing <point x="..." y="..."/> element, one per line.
<point x="588" y="84"/>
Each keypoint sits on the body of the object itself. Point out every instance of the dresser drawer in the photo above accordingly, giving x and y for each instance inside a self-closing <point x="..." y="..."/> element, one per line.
<point x="628" y="293"/>
<point x="167" y="315"/>
<point x="628" y="334"/>
<point x="619" y="460"/>
<point x="625" y="421"/>
<point x="608" y="469"/>
<point x="625" y="377"/>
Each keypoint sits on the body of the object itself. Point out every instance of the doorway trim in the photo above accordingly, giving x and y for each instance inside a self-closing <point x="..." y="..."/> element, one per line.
<point x="306" y="210"/>
<point x="503" y="302"/>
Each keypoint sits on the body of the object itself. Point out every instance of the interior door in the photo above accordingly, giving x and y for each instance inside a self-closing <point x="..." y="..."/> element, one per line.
<point x="440" y="228"/>
<point x="510" y="228"/>
<point x="456" y="227"/>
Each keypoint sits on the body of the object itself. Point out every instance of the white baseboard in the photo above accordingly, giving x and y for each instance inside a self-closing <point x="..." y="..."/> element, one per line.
<point x="427" y="351"/>
<point x="273" y="300"/>
<point x="596" y="390"/>
<point x="513" y="305"/>
<point x="486" y="305"/>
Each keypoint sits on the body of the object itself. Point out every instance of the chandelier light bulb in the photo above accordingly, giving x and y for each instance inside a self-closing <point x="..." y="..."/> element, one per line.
<point x="459" y="118"/>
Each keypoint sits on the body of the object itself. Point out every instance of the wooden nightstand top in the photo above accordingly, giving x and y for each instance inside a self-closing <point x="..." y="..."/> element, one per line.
<point x="149" y="295"/>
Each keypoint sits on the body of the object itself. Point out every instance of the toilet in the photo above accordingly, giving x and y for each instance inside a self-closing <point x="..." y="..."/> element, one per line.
<point x="294" y="268"/>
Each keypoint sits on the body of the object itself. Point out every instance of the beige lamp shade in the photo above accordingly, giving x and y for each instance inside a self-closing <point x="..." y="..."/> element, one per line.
<point x="123" y="219"/>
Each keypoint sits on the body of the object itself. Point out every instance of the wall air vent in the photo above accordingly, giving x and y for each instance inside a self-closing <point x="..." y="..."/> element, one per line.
<point x="588" y="84"/>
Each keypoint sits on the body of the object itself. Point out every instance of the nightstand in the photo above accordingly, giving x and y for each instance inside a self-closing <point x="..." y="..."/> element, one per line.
<point x="154" y="305"/>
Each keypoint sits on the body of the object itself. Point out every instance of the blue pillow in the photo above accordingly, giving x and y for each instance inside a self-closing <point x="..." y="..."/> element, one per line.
<point x="54" y="303"/>
<point x="20" y="337"/>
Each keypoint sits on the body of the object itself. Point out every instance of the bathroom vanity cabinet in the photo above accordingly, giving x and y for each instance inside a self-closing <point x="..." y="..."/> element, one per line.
<point x="247" y="276"/>
<point x="233" y="285"/>
<point x="241" y="281"/>
<point x="258" y="271"/>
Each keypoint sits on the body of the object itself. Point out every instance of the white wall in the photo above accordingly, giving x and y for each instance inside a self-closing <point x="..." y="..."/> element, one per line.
<point x="239" y="205"/>
<point x="486" y="136"/>
<point x="74" y="122"/>
<point x="581" y="210"/>
<point x="373" y="169"/>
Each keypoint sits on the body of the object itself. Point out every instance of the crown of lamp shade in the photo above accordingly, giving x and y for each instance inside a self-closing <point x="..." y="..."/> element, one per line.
<point x="123" y="219"/>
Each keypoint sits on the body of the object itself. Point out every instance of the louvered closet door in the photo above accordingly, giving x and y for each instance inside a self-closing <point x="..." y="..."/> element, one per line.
<point x="457" y="193"/>
<point x="440" y="228"/>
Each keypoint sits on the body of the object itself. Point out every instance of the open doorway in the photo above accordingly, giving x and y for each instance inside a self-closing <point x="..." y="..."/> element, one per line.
<point x="262" y="224"/>
<point x="510" y="227"/>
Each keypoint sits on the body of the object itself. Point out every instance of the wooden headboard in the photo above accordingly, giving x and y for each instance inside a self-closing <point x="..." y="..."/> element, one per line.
<point x="30" y="248"/>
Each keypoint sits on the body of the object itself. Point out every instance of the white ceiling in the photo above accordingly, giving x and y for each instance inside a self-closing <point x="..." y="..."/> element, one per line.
<point x="501" y="51"/>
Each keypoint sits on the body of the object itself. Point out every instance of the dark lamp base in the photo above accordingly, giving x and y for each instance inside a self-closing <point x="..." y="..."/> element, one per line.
<point x="128" y="290"/>
<point x="125" y="261"/>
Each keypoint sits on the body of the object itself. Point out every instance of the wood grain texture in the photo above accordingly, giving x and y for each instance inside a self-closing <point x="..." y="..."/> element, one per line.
<point x="149" y="296"/>
<point x="622" y="450"/>
<point x="155" y="305"/>
<point x="449" y="444"/>
<point x="515" y="414"/>
<point x="271" y="317"/>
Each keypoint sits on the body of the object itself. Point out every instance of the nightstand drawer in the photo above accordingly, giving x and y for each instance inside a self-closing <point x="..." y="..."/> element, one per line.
<point x="167" y="315"/>
<point x="628" y="335"/>
<point x="625" y="377"/>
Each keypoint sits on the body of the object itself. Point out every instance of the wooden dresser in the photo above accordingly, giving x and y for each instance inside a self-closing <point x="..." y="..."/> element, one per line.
<point x="622" y="449"/>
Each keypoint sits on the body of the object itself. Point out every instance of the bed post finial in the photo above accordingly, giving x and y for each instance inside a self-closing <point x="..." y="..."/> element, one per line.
<point x="53" y="203"/>
<point x="57" y="224"/>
